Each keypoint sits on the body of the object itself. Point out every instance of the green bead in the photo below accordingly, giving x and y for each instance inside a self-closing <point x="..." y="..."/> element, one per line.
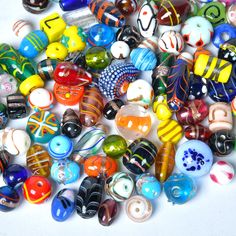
<point x="214" y="12"/>
<point x="194" y="8"/>
<point x="97" y="58"/>
<point x="114" y="146"/>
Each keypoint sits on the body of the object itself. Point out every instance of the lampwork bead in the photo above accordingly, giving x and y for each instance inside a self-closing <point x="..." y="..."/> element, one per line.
<point x="38" y="161"/>
<point x="68" y="95"/>
<point x="60" y="147"/>
<point x="8" y="85"/>
<point x="133" y="121"/>
<point x="37" y="189"/>
<point x="140" y="92"/>
<point x="194" y="158"/>
<point x="147" y="22"/>
<point x="231" y="14"/>
<point x="161" y="108"/>
<point x="14" y="141"/>
<point x="151" y="43"/>
<point x="114" y="80"/>
<point x="165" y="161"/>
<point x="199" y="51"/>
<point x="63" y="205"/>
<point x="4" y="160"/>
<point x="97" y="58"/>
<point x="107" y="13"/>
<point x="119" y="186"/>
<point x="138" y="209"/>
<point x="107" y="212"/>
<point x="173" y="12"/>
<point x="130" y="35"/>
<point x="65" y="171"/>
<point x="222" y="33"/>
<point x="227" y="51"/>
<point x="222" y="172"/>
<point x="89" y="197"/>
<point x="220" y="117"/>
<point x="56" y="51"/>
<point x="33" y="44"/>
<point x="148" y="186"/>
<point x="179" y="188"/>
<point x="169" y="131"/>
<point x="193" y="112"/>
<point x="45" y="68"/>
<point x="227" y="2"/>
<point x="41" y="99"/>
<point x="21" y="28"/>
<point x="9" y="199"/>
<point x="126" y="7"/>
<point x="72" y="4"/>
<point x="42" y="126"/>
<point x="197" y="31"/>
<point x="114" y="146"/>
<point x="171" y="42"/>
<point x="16" y="106"/>
<point x="15" y="175"/>
<point x="222" y="143"/>
<point x="233" y="106"/>
<point x="36" y="6"/>
<point x="111" y="108"/>
<point x="71" y="125"/>
<point x="101" y="35"/>
<point x="214" y="12"/>
<point x="96" y="166"/>
<point x="3" y="116"/>
<point x="91" y="107"/>
<point x="198" y="132"/>
<point x="120" y="50"/>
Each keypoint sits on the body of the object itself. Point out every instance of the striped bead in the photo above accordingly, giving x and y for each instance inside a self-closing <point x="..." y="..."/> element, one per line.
<point x="46" y="68"/>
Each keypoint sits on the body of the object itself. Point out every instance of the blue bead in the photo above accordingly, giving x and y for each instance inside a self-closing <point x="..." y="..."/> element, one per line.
<point x="148" y="186"/>
<point x="63" y="205"/>
<point x="60" y="147"/>
<point x="179" y="188"/>
<point x="9" y="199"/>
<point x="144" y="59"/>
<point x="15" y="175"/>
<point x="220" y="31"/>
<point x="194" y="158"/>
<point x="70" y="5"/>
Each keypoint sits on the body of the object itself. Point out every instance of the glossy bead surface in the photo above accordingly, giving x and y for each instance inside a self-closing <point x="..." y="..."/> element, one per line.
<point x="119" y="186"/>
<point x="8" y="85"/>
<point x="227" y="50"/>
<point x="3" y="116"/>
<point x="126" y="7"/>
<point x="60" y="147"/>
<point x="89" y="197"/>
<point x="98" y="165"/>
<point x="9" y="199"/>
<point x="45" y="68"/>
<point x="36" y="6"/>
<point x="56" y="51"/>
<point x="4" y="160"/>
<point x="151" y="43"/>
<point x="42" y="126"/>
<point x="133" y="121"/>
<point x="194" y="158"/>
<point x="65" y="171"/>
<point x="111" y="108"/>
<point x="222" y="143"/>
<point x="38" y="161"/>
<point x="165" y="161"/>
<point x="169" y="131"/>
<point x="63" y="205"/>
<point x="222" y="172"/>
<point x="72" y="4"/>
<point x="231" y="14"/>
<point x="114" y="146"/>
<point x="107" y="212"/>
<point x="140" y="156"/>
<point x="91" y="107"/>
<point x="138" y="209"/>
<point x="179" y="188"/>
<point x="21" y="28"/>
<point x="71" y="125"/>
<point x="120" y="50"/>
<point x="148" y="186"/>
<point x="161" y="108"/>
<point x="220" y="117"/>
<point x="198" y="132"/>
<point x="193" y="112"/>
<point x="15" y="175"/>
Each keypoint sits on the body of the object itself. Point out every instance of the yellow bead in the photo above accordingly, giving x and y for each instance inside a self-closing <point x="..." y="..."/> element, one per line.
<point x="56" y="51"/>
<point x="161" y="109"/>
<point x="74" y="39"/>
<point x="53" y="26"/>
<point x="213" y="68"/>
<point x="30" y="84"/>
<point x="169" y="131"/>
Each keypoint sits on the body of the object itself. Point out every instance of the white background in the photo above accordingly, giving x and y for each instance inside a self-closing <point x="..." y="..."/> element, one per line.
<point x="211" y="212"/>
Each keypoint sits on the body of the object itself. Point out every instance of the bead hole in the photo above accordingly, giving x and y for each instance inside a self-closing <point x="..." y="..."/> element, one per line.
<point x="225" y="36"/>
<point x="40" y="184"/>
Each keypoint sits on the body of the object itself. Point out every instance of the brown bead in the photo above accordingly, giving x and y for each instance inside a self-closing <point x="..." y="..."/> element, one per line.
<point x="197" y="132"/>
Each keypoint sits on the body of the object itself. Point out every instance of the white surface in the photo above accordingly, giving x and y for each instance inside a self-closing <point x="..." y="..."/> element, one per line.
<point x="211" y="212"/>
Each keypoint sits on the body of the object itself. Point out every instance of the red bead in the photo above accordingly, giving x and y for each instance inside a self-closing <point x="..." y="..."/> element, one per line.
<point x="197" y="132"/>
